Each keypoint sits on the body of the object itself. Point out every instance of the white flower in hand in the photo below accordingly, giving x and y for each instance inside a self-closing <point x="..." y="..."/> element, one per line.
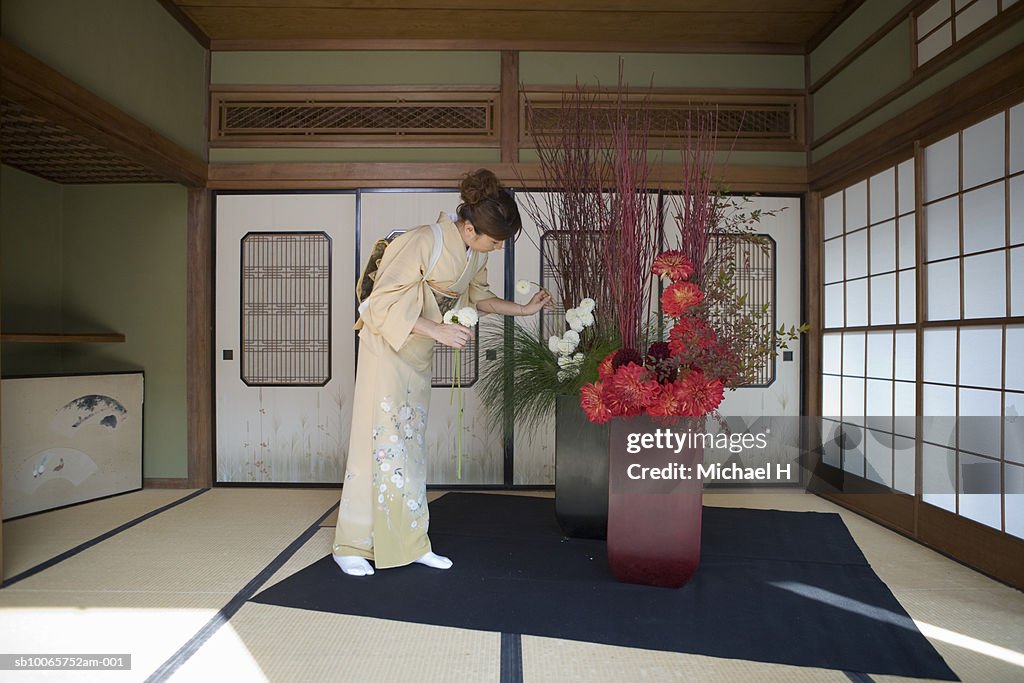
<point x="523" y="287"/>
<point x="468" y="316"/>
<point x="450" y="318"/>
<point x="553" y="342"/>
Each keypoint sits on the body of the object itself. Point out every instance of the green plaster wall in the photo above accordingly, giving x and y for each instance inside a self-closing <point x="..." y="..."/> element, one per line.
<point x="124" y="270"/>
<point x="355" y="68"/>
<point x="868" y="18"/>
<point x="882" y="68"/>
<point x="131" y="53"/>
<point x="667" y="70"/>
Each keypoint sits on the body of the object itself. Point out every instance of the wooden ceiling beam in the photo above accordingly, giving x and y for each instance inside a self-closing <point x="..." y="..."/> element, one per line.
<point x="504" y="25"/>
<point x="301" y="175"/>
<point x="46" y="92"/>
<point x="679" y="6"/>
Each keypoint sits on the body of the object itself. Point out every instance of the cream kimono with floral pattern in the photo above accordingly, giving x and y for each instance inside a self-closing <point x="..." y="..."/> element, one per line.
<point x="383" y="513"/>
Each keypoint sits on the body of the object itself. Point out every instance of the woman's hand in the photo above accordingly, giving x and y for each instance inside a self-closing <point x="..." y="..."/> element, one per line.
<point x="540" y="300"/>
<point x="454" y="335"/>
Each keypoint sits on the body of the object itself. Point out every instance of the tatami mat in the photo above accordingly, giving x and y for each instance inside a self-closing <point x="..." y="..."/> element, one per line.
<point x="31" y="540"/>
<point x="151" y="588"/>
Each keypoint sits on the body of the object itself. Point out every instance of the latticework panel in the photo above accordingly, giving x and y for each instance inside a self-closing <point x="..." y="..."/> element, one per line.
<point x="286" y="309"/>
<point x="36" y="145"/>
<point x="747" y="124"/>
<point x="318" y="118"/>
<point x="754" y="280"/>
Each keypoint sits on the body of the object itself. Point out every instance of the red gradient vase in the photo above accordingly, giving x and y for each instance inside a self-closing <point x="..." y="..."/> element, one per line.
<point x="654" y="501"/>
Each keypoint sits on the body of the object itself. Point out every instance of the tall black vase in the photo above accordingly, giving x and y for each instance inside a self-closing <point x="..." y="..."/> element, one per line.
<point x="581" y="471"/>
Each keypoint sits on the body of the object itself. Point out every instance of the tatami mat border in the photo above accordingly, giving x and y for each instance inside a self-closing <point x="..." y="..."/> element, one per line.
<point x="99" y="539"/>
<point x="167" y="669"/>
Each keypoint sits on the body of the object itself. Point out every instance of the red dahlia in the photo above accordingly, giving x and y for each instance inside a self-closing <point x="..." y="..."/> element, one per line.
<point x="630" y="390"/>
<point x="672" y="264"/>
<point x="679" y="297"/>
<point x="699" y="394"/>
<point x="592" y="402"/>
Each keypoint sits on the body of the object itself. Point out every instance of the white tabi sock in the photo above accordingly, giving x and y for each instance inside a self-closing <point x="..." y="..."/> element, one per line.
<point x="353" y="566"/>
<point x="435" y="561"/>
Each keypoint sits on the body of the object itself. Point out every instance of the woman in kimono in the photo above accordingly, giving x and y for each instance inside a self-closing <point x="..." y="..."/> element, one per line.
<point x="383" y="512"/>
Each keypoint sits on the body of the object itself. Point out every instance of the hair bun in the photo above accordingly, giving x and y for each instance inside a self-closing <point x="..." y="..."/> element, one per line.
<point x="479" y="186"/>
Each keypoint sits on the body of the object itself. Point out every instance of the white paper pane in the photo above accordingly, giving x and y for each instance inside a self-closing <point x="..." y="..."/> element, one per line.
<point x="985" y="218"/>
<point x="834" y="260"/>
<point x="834" y="215"/>
<point x="976" y="475"/>
<point x="941" y="168"/>
<point x="1015" y="358"/>
<point x="1013" y="499"/>
<point x="907" y="237"/>
<point x="940" y="356"/>
<point x="905" y="177"/>
<point x="1013" y="427"/>
<point x="943" y="296"/>
<point x="1017" y="138"/>
<point x="878" y="457"/>
<point x="972" y="18"/>
<point x="984" y="151"/>
<point x="985" y="285"/>
<point x="981" y="357"/>
<point x="856" y="254"/>
<point x="883" y="196"/>
<point x="879" y="405"/>
<point x="880" y="355"/>
<point x="907" y="297"/>
<point x="831" y="392"/>
<point x="883" y="247"/>
<point x="906" y="355"/>
<point x="883" y="299"/>
<point x="904" y="408"/>
<point x="857" y="206"/>
<point x="934" y="44"/>
<point x="853" y="399"/>
<point x="857" y="303"/>
<point x="1017" y="281"/>
<point x="832" y="354"/>
<point x="932" y="17"/>
<point x="834" y="306"/>
<point x="938" y="419"/>
<point x="904" y="464"/>
<point x="830" y="443"/>
<point x="1017" y="209"/>
<point x="853" y="354"/>
<point x="938" y="476"/>
<point x="959" y="4"/>
<point x="942" y="229"/>
<point x="853" y="448"/>
<point x="979" y="421"/>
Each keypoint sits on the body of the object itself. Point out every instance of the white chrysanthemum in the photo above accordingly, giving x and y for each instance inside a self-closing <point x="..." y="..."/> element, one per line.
<point x="553" y="342"/>
<point x="523" y="287"/>
<point x="565" y="347"/>
<point x="565" y="361"/>
<point x="587" y="319"/>
<point x="587" y="305"/>
<point x="576" y="325"/>
<point x="572" y="313"/>
<point x="564" y="375"/>
<point x="450" y="317"/>
<point x="578" y="357"/>
<point x="572" y="336"/>
<point x="468" y="316"/>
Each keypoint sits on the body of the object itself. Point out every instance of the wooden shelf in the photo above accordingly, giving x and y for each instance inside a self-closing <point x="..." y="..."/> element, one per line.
<point x="41" y="338"/>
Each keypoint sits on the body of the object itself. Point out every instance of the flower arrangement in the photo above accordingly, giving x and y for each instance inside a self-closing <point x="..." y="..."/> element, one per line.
<point x="609" y="247"/>
<point x="672" y="379"/>
<point x="468" y="317"/>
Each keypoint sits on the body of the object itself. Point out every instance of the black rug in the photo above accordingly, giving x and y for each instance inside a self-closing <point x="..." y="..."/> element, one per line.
<point x="785" y="587"/>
